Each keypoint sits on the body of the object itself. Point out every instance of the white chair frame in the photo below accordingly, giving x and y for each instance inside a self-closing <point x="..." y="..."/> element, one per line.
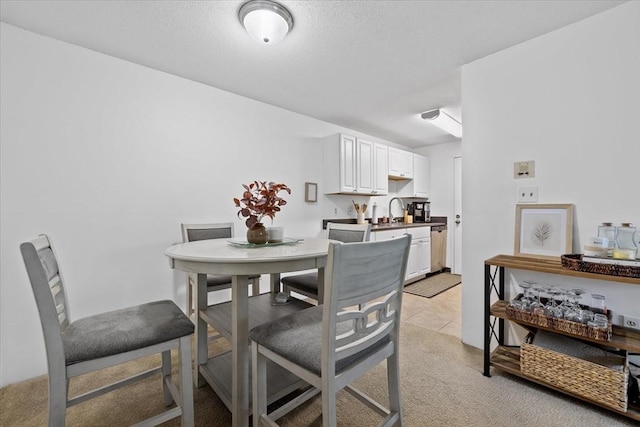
<point x="363" y="290"/>
<point x="192" y="278"/>
<point x="332" y="232"/>
<point x="55" y="319"/>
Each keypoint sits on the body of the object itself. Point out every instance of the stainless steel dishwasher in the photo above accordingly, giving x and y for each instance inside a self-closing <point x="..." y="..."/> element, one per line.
<point x="438" y="248"/>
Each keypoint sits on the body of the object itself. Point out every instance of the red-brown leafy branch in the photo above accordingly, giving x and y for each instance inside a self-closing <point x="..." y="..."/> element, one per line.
<point x="259" y="200"/>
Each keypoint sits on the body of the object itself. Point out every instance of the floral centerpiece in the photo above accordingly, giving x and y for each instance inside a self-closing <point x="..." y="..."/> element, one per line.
<point x="259" y="200"/>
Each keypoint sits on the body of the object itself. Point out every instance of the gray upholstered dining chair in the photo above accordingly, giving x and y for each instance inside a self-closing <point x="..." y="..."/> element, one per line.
<point x="332" y="344"/>
<point x="108" y="339"/>
<point x="215" y="282"/>
<point x="307" y="283"/>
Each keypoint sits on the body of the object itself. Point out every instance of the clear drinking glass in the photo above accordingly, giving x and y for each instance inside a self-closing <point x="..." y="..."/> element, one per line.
<point x="574" y="311"/>
<point x="536" y="306"/>
<point x="598" y="304"/>
<point x="599" y="321"/>
<point x="527" y="295"/>
<point x="552" y="309"/>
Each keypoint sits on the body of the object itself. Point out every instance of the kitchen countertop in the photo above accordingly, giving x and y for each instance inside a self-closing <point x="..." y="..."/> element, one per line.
<point x="437" y="221"/>
<point x="380" y="227"/>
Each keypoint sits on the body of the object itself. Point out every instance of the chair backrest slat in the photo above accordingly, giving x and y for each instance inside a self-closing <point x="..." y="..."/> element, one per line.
<point x="47" y="284"/>
<point x="363" y="295"/>
<point x="348" y="233"/>
<point x="194" y="232"/>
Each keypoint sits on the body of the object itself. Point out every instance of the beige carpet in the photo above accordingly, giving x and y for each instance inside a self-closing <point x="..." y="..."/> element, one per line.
<point x="433" y="285"/>
<point x="442" y="385"/>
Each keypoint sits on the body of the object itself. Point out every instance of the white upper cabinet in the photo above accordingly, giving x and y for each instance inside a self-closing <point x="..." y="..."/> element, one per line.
<point x="400" y="164"/>
<point x="350" y="166"/>
<point x="364" y="166"/>
<point x="419" y="186"/>
<point x="381" y="169"/>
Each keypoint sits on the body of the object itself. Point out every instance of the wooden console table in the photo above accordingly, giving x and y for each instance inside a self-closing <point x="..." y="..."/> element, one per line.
<point x="507" y="358"/>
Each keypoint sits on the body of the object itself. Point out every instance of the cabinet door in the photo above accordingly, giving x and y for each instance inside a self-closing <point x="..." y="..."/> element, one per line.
<point x="419" y="185"/>
<point x="395" y="163"/>
<point x="407" y="164"/>
<point x="420" y="176"/>
<point x="400" y="163"/>
<point x="381" y="169"/>
<point x="347" y="164"/>
<point x="424" y="259"/>
<point x="413" y="262"/>
<point x="379" y="236"/>
<point x="364" y="166"/>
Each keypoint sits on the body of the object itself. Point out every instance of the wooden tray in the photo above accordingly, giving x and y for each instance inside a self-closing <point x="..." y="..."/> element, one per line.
<point x="575" y="262"/>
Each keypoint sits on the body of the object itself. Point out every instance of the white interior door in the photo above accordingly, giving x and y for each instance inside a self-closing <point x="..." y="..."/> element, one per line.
<point x="457" y="213"/>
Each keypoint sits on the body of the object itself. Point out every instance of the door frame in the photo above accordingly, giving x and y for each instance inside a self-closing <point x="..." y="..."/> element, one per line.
<point x="456" y="266"/>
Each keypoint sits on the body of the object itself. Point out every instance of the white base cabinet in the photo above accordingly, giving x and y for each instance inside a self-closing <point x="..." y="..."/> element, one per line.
<point x="419" y="262"/>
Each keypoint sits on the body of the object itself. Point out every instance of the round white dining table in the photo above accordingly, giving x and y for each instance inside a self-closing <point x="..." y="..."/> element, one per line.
<point x="220" y="256"/>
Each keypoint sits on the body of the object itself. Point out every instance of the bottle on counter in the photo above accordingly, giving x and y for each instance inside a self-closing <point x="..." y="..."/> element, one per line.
<point x="374" y="213"/>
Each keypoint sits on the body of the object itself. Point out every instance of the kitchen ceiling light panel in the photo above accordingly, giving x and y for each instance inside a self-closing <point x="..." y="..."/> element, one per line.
<point x="266" y="21"/>
<point x="445" y="122"/>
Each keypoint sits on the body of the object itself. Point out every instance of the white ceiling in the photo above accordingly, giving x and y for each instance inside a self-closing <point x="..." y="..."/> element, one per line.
<point x="371" y="66"/>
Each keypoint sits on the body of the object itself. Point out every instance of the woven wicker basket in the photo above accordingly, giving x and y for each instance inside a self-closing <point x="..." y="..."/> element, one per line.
<point x="575" y="328"/>
<point x="580" y="377"/>
<point x="575" y="262"/>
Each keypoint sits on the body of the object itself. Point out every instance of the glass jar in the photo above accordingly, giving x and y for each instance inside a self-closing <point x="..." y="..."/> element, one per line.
<point x="608" y="231"/>
<point x="625" y="247"/>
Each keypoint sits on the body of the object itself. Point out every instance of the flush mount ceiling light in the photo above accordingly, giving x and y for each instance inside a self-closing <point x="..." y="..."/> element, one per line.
<point x="443" y="121"/>
<point x="266" y="21"/>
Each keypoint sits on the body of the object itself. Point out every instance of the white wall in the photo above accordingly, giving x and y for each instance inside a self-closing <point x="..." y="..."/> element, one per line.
<point x="108" y="158"/>
<point x="441" y="188"/>
<point x="570" y="100"/>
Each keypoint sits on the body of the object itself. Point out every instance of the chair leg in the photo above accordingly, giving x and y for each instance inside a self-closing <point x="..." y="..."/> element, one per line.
<point x="255" y="290"/>
<point x="166" y="376"/>
<point x="58" y="395"/>
<point x="259" y="384"/>
<point x="329" y="410"/>
<point x="393" y="383"/>
<point x="186" y="381"/>
<point x="190" y="308"/>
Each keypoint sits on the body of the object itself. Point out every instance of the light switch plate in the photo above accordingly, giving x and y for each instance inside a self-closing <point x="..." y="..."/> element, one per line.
<point x="524" y="169"/>
<point x="527" y="194"/>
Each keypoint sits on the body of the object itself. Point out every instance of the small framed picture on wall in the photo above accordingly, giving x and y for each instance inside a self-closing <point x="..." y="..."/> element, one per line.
<point x="310" y="192"/>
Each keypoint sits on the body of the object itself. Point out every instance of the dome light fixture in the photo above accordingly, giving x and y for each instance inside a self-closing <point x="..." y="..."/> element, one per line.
<point x="444" y="121"/>
<point x="266" y="21"/>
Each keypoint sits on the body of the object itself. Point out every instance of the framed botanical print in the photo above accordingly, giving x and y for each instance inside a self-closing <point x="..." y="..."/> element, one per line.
<point x="544" y="231"/>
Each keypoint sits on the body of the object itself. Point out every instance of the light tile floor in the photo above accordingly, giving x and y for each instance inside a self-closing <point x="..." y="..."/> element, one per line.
<point x="441" y="313"/>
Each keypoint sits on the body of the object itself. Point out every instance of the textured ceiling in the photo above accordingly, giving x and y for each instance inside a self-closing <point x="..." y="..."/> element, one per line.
<point x="371" y="66"/>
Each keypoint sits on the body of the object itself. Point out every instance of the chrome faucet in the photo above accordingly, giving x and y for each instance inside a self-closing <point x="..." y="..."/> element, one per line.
<point x="391" y="217"/>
